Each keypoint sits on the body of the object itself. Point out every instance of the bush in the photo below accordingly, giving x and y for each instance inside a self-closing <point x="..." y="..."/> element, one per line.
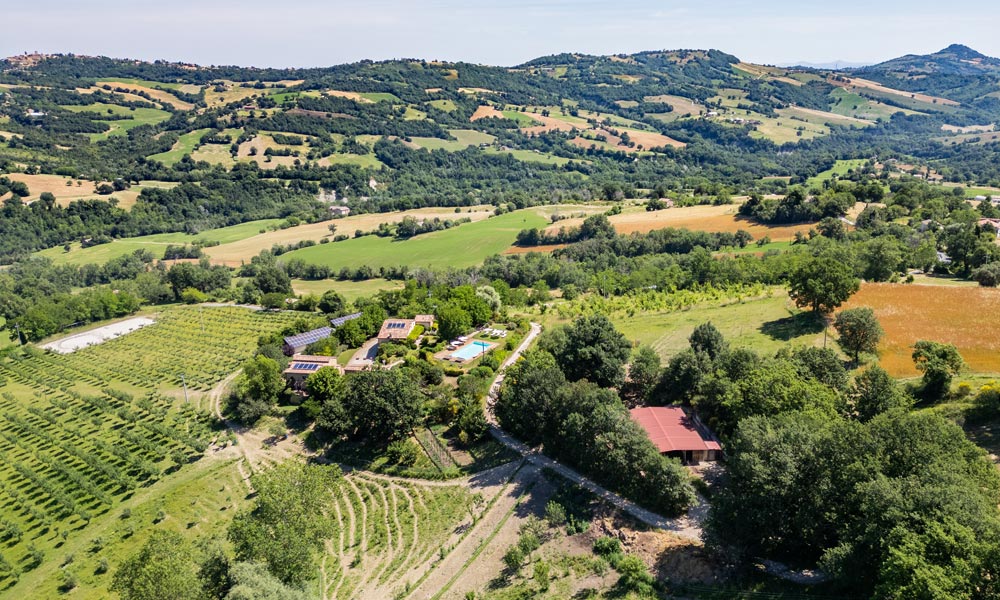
<point x="514" y="558"/>
<point x="606" y="546"/>
<point x="402" y="452"/>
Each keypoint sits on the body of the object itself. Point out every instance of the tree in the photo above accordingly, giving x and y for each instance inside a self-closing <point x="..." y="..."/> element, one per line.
<point x="287" y="523"/>
<point x="252" y="581"/>
<point x="939" y="363"/>
<point x="706" y="338"/>
<point x="453" y="320"/>
<point x="527" y="398"/>
<point x="258" y="388"/>
<point x="331" y="303"/>
<point x="324" y="384"/>
<point x="382" y="405"/>
<point x="822" y="284"/>
<point x="272" y="279"/>
<point x="161" y="570"/>
<point x="592" y="349"/>
<point x="859" y="331"/>
<point x="643" y="373"/>
<point x="876" y="392"/>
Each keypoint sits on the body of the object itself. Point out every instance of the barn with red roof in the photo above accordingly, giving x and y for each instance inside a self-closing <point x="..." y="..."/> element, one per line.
<point x="677" y="434"/>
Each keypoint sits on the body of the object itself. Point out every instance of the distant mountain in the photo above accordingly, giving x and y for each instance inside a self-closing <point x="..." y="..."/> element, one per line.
<point x="953" y="60"/>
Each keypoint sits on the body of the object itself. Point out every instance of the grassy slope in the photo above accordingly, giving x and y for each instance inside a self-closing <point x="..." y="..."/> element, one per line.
<point x="839" y="169"/>
<point x="184" y="145"/>
<point x="137" y="117"/>
<point x="462" y="246"/>
<point x="156" y="243"/>
<point x="350" y="290"/>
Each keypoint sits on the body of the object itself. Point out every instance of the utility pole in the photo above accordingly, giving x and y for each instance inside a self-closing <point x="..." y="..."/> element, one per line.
<point x="184" y="382"/>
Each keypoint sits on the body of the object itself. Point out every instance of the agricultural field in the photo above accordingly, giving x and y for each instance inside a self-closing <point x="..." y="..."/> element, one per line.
<point x="185" y="145"/>
<point x="724" y="218"/>
<point x="158" y="95"/>
<point x="462" y="246"/>
<point x="839" y="169"/>
<point x="155" y="243"/>
<point x="445" y="105"/>
<point x="136" y="117"/>
<point x="463" y="139"/>
<point x="99" y="445"/>
<point x="350" y="290"/>
<point x="232" y="253"/>
<point x="67" y="189"/>
<point x="956" y="315"/>
<point x="852" y="104"/>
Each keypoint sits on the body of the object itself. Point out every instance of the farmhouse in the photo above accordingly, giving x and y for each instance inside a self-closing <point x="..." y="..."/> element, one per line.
<point x="677" y="434"/>
<point x="994" y="223"/>
<point x="340" y="211"/>
<point x="304" y="365"/>
<point x="395" y="329"/>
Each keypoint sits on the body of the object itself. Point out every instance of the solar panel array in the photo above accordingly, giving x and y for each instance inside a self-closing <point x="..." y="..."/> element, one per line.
<point x="396" y="325"/>
<point x="305" y="366"/>
<point x="309" y="337"/>
<point x="341" y="320"/>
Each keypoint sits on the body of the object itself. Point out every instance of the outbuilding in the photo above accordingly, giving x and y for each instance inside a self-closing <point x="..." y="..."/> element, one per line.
<point x="678" y="434"/>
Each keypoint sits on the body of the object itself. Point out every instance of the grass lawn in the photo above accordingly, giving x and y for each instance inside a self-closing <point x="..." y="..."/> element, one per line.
<point x="765" y="325"/>
<point x="365" y="161"/>
<point x="522" y="119"/>
<point x="350" y="290"/>
<point x="146" y="83"/>
<point x="463" y="246"/>
<point x="851" y="104"/>
<point x="184" y="145"/>
<point x="137" y="117"/>
<point x="155" y="243"/>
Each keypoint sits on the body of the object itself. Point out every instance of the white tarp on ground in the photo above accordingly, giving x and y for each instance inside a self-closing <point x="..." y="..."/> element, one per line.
<point x="76" y="341"/>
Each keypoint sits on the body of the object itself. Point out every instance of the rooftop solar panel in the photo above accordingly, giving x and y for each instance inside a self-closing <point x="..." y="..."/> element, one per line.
<point x="305" y="366"/>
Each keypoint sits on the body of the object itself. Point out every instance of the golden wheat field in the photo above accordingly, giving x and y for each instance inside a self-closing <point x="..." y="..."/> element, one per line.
<point x="963" y="316"/>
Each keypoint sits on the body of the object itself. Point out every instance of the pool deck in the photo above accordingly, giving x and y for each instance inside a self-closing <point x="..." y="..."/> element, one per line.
<point x="447" y="355"/>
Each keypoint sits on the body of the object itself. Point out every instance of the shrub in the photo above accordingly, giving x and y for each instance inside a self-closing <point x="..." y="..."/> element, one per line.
<point x="402" y="452"/>
<point x="606" y="546"/>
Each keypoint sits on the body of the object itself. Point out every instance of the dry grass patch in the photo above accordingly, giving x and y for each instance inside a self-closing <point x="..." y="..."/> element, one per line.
<point x="350" y="96"/>
<point x="544" y="249"/>
<point x="682" y="106"/>
<point x="721" y="219"/>
<point x="486" y="112"/>
<point x="154" y="93"/>
<point x="235" y="253"/>
<point x="878" y="87"/>
<point x="65" y="194"/>
<point x="949" y="314"/>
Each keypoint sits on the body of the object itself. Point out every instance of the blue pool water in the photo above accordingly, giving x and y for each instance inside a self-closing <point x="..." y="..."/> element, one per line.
<point x="472" y="351"/>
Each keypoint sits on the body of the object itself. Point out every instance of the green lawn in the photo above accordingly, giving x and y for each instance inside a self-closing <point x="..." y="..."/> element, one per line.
<point x="765" y="324"/>
<point x="365" y="161"/>
<point x="850" y="104"/>
<point x="463" y="246"/>
<point x="156" y="243"/>
<point x="137" y="117"/>
<point x="184" y="145"/>
<point x="522" y="119"/>
<point x="463" y="139"/>
<point x="145" y="83"/>
<point x="350" y="290"/>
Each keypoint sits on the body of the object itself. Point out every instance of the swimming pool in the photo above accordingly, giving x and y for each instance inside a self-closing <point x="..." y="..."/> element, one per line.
<point x="473" y="350"/>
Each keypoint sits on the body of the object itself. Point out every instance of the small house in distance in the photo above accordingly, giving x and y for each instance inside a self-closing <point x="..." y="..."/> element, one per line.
<point x="677" y="434"/>
<point x="395" y="329"/>
<point x="304" y="365"/>
<point x="340" y="211"/>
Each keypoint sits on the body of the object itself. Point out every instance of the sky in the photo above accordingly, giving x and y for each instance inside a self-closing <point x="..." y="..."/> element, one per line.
<point x="309" y="33"/>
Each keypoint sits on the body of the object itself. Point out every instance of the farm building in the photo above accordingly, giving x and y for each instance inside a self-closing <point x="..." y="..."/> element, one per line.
<point x="994" y="223"/>
<point x="340" y="211"/>
<point x="425" y="321"/>
<point x="294" y="344"/>
<point x="677" y="434"/>
<point x="304" y="365"/>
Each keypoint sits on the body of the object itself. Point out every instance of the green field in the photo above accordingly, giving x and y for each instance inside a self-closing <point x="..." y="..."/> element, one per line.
<point x="185" y="145"/>
<point x="380" y="97"/>
<point x="522" y="119"/>
<point x="445" y="105"/>
<point x="532" y="156"/>
<point x="839" y="169"/>
<point x="765" y="325"/>
<point x="850" y="104"/>
<point x="463" y="139"/>
<point x="137" y="117"/>
<point x="155" y="243"/>
<point x="350" y="290"/>
<point x="146" y="83"/>
<point x="463" y="246"/>
<point x="90" y="434"/>
<point x="365" y="161"/>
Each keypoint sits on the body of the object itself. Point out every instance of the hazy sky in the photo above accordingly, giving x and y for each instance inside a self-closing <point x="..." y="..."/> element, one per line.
<point x="501" y="32"/>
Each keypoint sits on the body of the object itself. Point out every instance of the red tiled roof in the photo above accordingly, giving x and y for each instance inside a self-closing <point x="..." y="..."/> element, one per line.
<point x="671" y="430"/>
